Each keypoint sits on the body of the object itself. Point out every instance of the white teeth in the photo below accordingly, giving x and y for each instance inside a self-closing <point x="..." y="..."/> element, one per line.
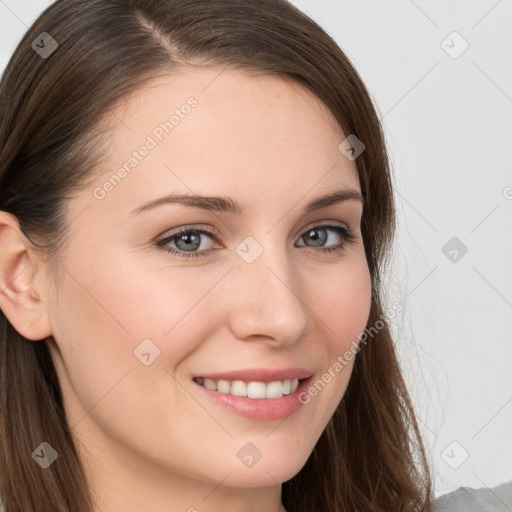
<point x="256" y="389"/>
<point x="210" y="384"/>
<point x="223" y="386"/>
<point x="274" y="389"/>
<point x="238" y="388"/>
<point x="253" y="389"/>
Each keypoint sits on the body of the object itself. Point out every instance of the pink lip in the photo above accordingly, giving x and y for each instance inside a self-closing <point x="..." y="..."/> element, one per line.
<point x="260" y="374"/>
<point x="263" y="409"/>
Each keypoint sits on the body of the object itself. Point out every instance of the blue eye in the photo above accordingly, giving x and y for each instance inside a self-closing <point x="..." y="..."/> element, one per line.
<point x="318" y="236"/>
<point x="188" y="240"/>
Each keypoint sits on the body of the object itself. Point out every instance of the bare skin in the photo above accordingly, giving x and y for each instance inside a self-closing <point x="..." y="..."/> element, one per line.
<point x="148" y="438"/>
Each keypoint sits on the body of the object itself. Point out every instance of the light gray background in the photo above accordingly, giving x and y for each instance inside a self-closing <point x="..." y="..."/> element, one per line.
<point x="448" y="123"/>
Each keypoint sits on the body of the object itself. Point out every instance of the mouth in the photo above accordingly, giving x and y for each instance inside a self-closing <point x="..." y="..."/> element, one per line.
<point x="255" y="400"/>
<point x="251" y="389"/>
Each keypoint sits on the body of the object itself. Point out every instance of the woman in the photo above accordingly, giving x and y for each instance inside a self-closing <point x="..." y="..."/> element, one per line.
<point x="196" y="211"/>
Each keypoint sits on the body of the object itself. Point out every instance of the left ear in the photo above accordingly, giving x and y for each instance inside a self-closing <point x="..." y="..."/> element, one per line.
<point x="21" y="284"/>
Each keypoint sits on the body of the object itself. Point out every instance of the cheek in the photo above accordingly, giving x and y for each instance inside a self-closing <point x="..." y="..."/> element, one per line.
<point x="94" y="339"/>
<point x="343" y="303"/>
<point x="343" y="307"/>
<point x="107" y="313"/>
<point x="103" y="315"/>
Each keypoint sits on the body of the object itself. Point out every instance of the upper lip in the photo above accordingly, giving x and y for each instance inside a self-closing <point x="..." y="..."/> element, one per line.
<point x="260" y="374"/>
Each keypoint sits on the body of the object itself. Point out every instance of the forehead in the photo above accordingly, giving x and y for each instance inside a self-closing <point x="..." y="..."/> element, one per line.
<point x="232" y="92"/>
<point x="217" y="131"/>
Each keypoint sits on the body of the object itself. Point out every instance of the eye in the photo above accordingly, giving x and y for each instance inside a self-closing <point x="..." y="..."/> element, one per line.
<point x="187" y="241"/>
<point x="318" y="235"/>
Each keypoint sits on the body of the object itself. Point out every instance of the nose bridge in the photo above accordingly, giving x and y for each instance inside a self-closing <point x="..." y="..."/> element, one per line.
<point x="270" y="302"/>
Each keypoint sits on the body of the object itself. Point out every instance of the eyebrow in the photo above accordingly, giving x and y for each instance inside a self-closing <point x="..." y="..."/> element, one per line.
<point x="228" y="205"/>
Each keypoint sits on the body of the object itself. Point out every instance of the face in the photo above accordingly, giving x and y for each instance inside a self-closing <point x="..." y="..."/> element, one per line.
<point x="155" y="295"/>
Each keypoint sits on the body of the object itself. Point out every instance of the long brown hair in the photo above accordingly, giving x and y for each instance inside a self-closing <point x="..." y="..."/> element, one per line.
<point x="371" y="456"/>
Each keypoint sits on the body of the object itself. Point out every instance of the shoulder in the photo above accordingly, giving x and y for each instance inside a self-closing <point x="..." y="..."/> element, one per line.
<point x="483" y="499"/>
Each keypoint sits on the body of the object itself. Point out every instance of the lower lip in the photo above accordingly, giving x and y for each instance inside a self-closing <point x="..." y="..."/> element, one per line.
<point x="263" y="409"/>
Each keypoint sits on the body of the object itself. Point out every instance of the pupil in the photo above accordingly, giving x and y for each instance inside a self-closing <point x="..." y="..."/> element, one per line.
<point x="321" y="239"/>
<point x="189" y="241"/>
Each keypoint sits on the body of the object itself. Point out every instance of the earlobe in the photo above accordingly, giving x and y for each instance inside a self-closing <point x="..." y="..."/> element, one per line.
<point x="20" y="296"/>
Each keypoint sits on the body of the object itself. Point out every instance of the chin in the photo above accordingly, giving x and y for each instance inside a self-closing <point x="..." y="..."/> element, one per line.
<point x="264" y="477"/>
<point x="277" y="469"/>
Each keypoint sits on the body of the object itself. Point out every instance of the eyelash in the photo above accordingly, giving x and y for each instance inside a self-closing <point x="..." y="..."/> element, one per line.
<point x="345" y="232"/>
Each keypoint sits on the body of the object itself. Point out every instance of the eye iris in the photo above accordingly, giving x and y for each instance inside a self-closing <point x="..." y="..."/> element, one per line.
<point x="318" y="240"/>
<point x="192" y="241"/>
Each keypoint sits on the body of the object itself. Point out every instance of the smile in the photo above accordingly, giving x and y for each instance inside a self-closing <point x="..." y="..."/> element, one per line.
<point x="252" y="389"/>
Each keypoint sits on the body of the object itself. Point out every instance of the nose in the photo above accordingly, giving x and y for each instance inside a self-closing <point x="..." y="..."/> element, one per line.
<point x="266" y="300"/>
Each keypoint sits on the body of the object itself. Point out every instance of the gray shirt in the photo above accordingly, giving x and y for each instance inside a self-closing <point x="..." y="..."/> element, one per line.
<point x="483" y="499"/>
